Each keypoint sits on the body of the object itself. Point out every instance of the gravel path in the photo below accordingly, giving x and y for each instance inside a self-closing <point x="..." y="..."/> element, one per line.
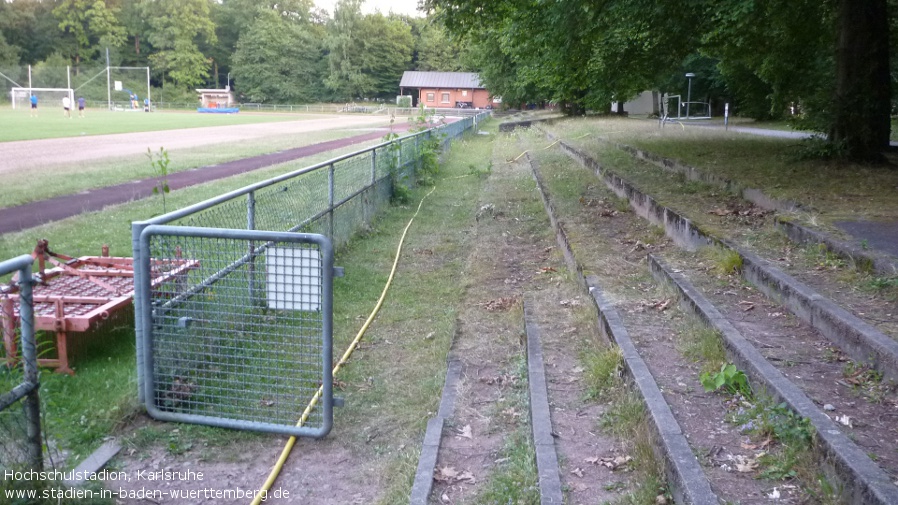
<point x="32" y="154"/>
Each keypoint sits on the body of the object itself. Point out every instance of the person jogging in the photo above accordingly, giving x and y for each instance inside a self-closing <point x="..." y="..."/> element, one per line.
<point x="81" y="106"/>
<point x="33" y="105"/>
<point x="66" y="106"/>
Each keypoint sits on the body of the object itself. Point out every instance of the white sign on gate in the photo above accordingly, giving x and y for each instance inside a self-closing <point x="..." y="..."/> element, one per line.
<point x="293" y="278"/>
<point x="118" y="85"/>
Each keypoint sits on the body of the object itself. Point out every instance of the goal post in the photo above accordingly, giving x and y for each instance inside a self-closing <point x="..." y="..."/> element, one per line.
<point x="20" y="97"/>
<point x="121" y="82"/>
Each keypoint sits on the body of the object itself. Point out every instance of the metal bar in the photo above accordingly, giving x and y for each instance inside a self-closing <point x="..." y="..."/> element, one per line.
<point x="323" y="369"/>
<point x="16" y="394"/>
<point x="251" y="225"/>
<point x="29" y="364"/>
<point x="330" y="200"/>
<point x="141" y="292"/>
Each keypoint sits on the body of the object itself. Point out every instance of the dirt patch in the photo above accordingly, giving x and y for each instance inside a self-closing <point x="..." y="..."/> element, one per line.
<point x="614" y="247"/>
<point x="836" y="384"/>
<point x="505" y="261"/>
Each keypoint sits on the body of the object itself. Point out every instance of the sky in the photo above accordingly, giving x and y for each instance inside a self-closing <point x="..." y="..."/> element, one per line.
<point x="385" y="6"/>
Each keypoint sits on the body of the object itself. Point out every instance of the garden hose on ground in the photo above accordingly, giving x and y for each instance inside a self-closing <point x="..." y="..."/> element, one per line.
<point x="317" y="397"/>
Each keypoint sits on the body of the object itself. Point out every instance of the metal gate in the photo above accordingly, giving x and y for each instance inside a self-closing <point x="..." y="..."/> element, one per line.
<point x="237" y="328"/>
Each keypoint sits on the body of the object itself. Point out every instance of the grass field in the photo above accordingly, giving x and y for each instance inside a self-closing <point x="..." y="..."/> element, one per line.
<point x="50" y="123"/>
<point x="21" y="188"/>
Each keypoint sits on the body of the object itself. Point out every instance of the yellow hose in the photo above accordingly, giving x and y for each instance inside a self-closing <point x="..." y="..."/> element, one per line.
<point x="305" y="415"/>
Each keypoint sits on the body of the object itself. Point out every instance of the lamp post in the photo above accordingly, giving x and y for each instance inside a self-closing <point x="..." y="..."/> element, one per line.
<point x="689" y="76"/>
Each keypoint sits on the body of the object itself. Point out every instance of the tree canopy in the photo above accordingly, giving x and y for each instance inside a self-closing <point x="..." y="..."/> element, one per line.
<point x="827" y="60"/>
<point x="284" y="51"/>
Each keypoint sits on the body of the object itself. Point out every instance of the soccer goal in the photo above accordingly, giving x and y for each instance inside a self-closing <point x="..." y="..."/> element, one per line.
<point x="21" y="97"/>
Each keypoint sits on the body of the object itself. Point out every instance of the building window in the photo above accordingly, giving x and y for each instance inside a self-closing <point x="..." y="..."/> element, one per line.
<point x="445" y="98"/>
<point x="430" y="97"/>
<point x="464" y="92"/>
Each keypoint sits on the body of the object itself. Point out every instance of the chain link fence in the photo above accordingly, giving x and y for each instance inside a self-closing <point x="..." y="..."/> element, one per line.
<point x="212" y="346"/>
<point x="240" y="328"/>
<point x="20" y="428"/>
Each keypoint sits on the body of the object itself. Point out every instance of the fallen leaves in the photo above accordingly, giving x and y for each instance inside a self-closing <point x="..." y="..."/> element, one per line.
<point x="659" y="305"/>
<point x="844" y="421"/>
<point x="500" y="380"/>
<point x="611" y="463"/>
<point x="449" y="475"/>
<point x="739" y="211"/>
<point x="500" y="304"/>
<point x="465" y="432"/>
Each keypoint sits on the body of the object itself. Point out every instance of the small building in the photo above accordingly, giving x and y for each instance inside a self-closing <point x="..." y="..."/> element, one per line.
<point x="216" y="98"/>
<point x="445" y="89"/>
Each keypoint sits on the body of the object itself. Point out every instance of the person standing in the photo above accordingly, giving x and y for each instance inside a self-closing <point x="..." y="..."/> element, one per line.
<point x="33" y="105"/>
<point x="81" y="106"/>
<point x="66" y="106"/>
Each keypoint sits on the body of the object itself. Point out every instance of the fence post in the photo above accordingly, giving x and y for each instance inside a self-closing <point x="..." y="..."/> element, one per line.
<point x="330" y="201"/>
<point x="373" y="167"/>
<point x="418" y="161"/>
<point x="136" y="229"/>
<point x="29" y="361"/>
<point x="251" y="225"/>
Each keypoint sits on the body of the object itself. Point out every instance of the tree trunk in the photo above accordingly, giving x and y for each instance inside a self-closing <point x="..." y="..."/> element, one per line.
<point x="137" y="43"/>
<point x="861" y="103"/>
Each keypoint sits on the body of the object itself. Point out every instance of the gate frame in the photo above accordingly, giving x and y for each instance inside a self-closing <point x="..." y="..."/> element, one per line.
<point x="325" y="401"/>
<point x="29" y="388"/>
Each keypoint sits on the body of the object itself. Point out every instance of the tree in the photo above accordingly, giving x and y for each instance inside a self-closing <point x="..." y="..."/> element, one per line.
<point x="861" y="101"/>
<point x="9" y="54"/>
<point x="776" y="52"/>
<point x="386" y="46"/>
<point x="281" y="60"/>
<point x="367" y="54"/>
<point x="91" y="24"/>
<point x="437" y="50"/>
<point x="175" y="28"/>
<point x="345" y="78"/>
<point x="32" y="28"/>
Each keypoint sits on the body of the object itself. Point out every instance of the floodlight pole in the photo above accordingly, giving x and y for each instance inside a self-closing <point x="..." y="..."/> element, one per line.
<point x="689" y="76"/>
<point x="108" y="83"/>
<point x="149" y="99"/>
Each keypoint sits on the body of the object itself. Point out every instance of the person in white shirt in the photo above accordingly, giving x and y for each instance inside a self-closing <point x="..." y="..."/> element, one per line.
<point x="66" y="107"/>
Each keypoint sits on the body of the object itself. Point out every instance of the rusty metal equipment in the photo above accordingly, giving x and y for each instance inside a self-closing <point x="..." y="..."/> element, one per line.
<point x="77" y="294"/>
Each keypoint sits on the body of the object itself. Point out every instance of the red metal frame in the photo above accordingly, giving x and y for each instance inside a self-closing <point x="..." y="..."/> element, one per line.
<point x="75" y="296"/>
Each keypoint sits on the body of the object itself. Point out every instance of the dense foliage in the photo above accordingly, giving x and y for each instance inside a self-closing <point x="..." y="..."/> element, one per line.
<point x="277" y="52"/>
<point x="825" y="61"/>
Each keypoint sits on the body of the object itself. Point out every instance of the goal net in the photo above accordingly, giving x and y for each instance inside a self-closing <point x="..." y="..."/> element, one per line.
<point x="46" y="97"/>
<point x="128" y="87"/>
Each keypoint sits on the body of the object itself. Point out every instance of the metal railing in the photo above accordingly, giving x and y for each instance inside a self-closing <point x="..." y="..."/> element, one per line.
<point x="20" y="432"/>
<point x="334" y="199"/>
<point x="237" y="333"/>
